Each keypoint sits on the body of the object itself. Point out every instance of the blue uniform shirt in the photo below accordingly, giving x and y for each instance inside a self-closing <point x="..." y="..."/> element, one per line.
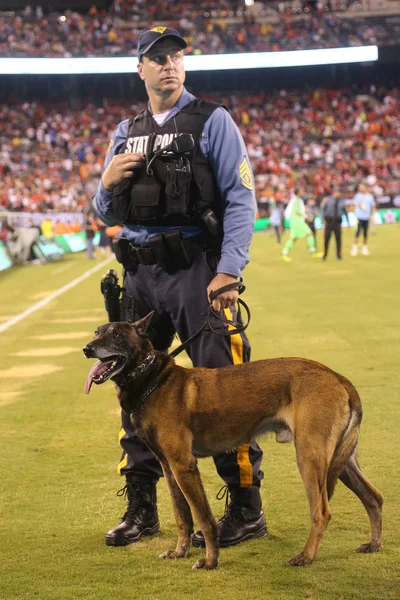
<point x="363" y="205"/>
<point x="221" y="142"/>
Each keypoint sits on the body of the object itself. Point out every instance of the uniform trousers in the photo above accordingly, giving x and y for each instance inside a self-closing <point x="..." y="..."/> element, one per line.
<point x="333" y="226"/>
<point x="181" y="305"/>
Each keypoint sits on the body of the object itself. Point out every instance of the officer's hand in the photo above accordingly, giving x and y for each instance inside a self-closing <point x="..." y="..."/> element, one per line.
<point x="121" y="167"/>
<point x="226" y="299"/>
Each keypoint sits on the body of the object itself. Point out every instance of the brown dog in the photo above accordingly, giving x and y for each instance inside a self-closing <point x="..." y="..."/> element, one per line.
<point x="182" y="414"/>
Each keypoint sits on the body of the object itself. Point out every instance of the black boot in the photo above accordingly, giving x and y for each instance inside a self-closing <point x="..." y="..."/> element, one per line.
<point x="243" y="519"/>
<point x="141" y="517"/>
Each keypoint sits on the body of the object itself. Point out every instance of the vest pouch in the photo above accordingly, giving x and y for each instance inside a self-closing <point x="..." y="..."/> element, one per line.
<point x="178" y="180"/>
<point x="138" y="204"/>
<point x="121" y="197"/>
<point x="145" y="200"/>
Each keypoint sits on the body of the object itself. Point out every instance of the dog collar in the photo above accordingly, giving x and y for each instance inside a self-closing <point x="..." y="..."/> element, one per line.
<point x="140" y="369"/>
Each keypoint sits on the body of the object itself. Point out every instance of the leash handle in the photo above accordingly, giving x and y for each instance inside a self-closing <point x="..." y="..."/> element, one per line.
<point x="238" y="326"/>
<point x="236" y="285"/>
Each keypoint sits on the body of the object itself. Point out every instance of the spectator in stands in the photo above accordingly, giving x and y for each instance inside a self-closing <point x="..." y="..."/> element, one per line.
<point x="115" y="33"/>
<point x="46" y="227"/>
<point x="316" y="140"/>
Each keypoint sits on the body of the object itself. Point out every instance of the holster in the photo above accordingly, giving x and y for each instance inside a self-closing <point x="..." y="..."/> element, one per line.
<point x="119" y="307"/>
<point x="169" y="250"/>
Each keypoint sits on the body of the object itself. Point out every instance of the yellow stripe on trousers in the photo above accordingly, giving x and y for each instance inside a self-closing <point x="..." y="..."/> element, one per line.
<point x="124" y="460"/>
<point x="243" y="458"/>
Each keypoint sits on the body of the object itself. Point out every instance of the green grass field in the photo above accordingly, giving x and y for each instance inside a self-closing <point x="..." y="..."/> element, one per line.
<point x="59" y="447"/>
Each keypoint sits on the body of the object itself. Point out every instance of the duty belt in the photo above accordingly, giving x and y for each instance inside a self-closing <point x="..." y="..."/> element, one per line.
<point x="169" y="250"/>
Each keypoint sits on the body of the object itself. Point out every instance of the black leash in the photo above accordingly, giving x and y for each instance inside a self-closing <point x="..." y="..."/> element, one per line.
<point x="237" y="326"/>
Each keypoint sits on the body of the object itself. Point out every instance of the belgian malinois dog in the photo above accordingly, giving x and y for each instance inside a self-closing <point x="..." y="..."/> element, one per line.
<point x="185" y="414"/>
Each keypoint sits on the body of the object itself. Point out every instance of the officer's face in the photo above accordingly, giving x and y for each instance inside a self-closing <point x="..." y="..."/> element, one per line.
<point x="162" y="67"/>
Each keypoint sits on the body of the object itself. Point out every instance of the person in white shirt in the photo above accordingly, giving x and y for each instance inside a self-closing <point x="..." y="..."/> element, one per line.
<point x="364" y="208"/>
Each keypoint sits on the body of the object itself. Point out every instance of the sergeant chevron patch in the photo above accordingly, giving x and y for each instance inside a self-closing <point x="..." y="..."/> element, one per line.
<point x="246" y="176"/>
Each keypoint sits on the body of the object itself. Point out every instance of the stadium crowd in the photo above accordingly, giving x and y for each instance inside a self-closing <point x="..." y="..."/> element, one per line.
<point x="99" y="33"/>
<point x="51" y="156"/>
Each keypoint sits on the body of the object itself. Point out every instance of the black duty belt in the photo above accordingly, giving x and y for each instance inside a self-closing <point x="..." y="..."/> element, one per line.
<point x="169" y="249"/>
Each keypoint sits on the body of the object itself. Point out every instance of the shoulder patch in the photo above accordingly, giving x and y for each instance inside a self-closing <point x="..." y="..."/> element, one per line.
<point x="110" y="145"/>
<point x="159" y="29"/>
<point x="246" y="176"/>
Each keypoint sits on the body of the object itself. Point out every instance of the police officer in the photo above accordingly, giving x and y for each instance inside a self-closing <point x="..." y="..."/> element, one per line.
<point x="188" y="209"/>
<point x="333" y="208"/>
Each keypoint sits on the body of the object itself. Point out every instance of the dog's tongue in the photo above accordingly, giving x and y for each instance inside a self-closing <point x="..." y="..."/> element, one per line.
<point x="97" y="369"/>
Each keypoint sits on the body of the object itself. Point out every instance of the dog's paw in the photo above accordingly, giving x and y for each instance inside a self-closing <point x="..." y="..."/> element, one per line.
<point x="171" y="554"/>
<point x="369" y="548"/>
<point x="202" y="563"/>
<point x="300" y="561"/>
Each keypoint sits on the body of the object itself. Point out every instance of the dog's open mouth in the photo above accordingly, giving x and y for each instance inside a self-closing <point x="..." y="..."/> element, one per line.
<point x="104" y="369"/>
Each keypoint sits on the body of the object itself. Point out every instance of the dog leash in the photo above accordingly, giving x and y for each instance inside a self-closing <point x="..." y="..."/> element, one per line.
<point x="237" y="326"/>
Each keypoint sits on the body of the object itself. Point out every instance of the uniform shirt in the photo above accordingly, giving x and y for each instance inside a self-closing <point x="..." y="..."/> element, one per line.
<point x="334" y="208"/>
<point x="363" y="205"/>
<point x="223" y="146"/>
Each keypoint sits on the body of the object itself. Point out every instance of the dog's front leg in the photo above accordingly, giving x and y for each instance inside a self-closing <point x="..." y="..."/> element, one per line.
<point x="187" y="476"/>
<point x="183" y="516"/>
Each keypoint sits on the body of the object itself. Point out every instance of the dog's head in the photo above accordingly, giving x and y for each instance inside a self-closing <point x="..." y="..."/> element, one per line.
<point x="119" y="347"/>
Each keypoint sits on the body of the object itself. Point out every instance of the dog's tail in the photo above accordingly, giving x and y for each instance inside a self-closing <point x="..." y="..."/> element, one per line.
<point x="347" y="442"/>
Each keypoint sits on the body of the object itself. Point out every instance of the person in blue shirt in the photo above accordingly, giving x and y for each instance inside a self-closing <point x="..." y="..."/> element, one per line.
<point x="188" y="214"/>
<point x="364" y="208"/>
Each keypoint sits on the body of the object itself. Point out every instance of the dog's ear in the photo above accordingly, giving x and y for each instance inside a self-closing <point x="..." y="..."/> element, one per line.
<point x="143" y="325"/>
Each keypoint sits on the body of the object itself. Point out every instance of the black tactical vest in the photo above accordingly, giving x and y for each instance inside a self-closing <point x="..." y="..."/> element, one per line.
<point x="179" y="189"/>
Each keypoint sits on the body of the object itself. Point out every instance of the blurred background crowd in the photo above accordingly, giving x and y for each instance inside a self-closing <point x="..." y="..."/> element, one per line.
<point x="211" y="27"/>
<point x="51" y="155"/>
<point x="316" y="131"/>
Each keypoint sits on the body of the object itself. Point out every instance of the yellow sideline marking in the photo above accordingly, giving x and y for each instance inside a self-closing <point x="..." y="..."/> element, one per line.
<point x="28" y="371"/>
<point x="74" y="335"/>
<point x="54" y="295"/>
<point x="59" y="351"/>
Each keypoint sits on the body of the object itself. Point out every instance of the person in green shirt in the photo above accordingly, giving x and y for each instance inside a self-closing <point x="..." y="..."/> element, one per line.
<point x="295" y="213"/>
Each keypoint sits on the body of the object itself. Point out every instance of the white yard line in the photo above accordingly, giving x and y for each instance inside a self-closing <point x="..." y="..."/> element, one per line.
<point x="52" y="296"/>
<point x="61" y="269"/>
